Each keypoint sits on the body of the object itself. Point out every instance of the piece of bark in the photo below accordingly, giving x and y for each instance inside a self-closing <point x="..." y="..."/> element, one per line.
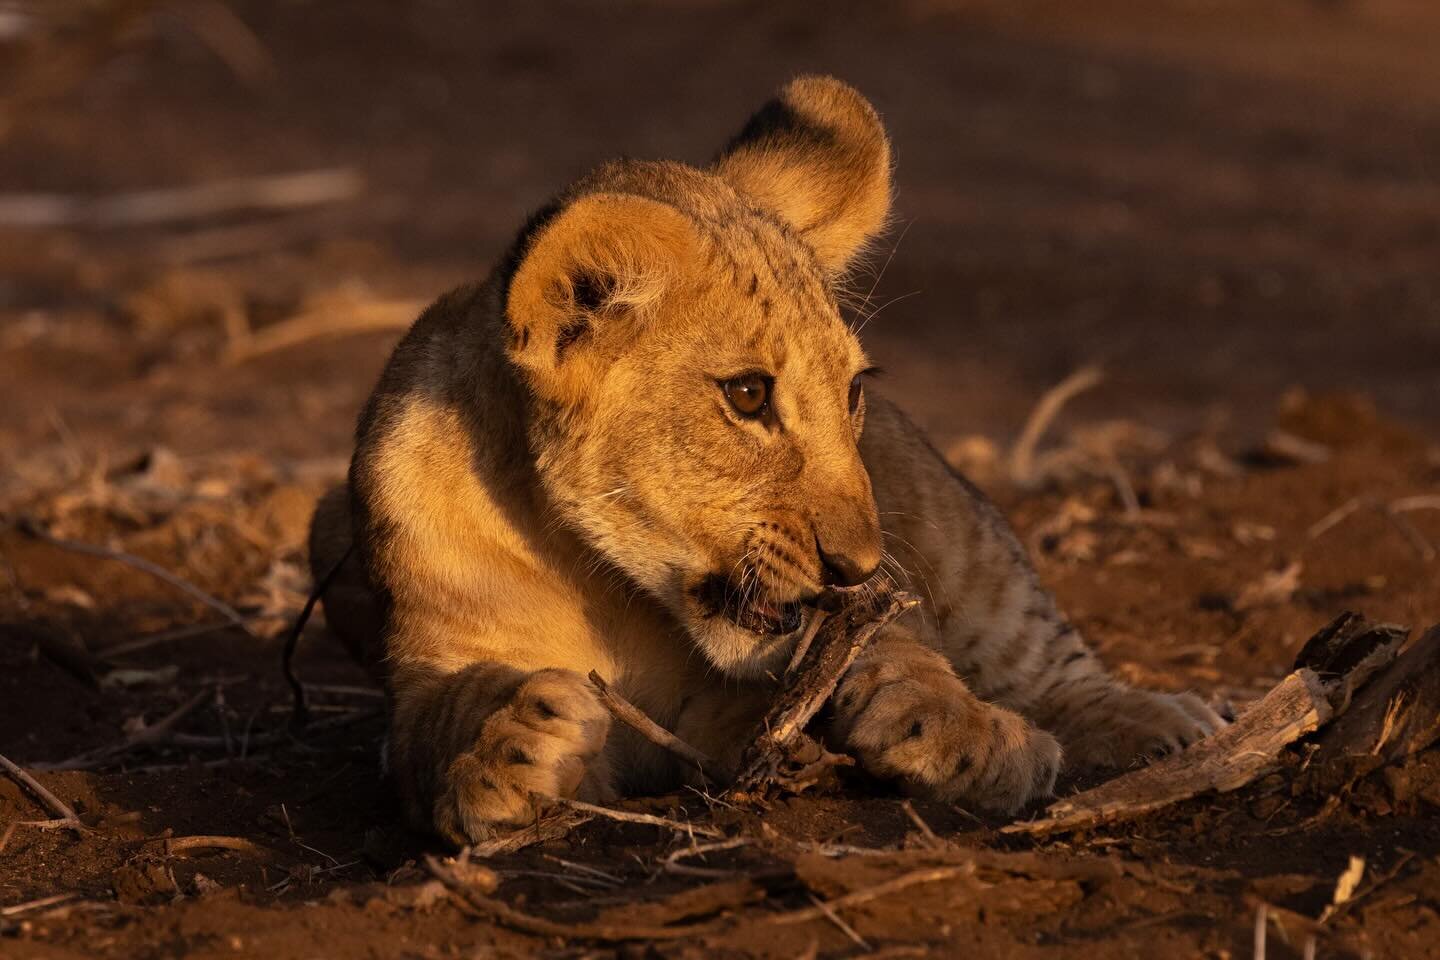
<point x="1398" y="713"/>
<point x="1333" y="665"/>
<point x="780" y="740"/>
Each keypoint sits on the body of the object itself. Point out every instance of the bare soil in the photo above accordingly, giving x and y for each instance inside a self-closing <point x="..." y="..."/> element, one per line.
<point x="1234" y="213"/>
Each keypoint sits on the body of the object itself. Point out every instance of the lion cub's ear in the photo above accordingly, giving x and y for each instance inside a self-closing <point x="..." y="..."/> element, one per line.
<point x="596" y="268"/>
<point x="816" y="157"/>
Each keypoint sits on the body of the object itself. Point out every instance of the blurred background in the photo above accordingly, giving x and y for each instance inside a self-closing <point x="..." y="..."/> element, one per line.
<point x="217" y="215"/>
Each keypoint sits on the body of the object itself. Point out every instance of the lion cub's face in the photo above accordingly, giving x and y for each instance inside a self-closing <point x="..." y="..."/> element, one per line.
<point x="698" y="396"/>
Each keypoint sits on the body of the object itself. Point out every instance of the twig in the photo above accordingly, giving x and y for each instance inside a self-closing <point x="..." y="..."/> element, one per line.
<point x="1421" y="502"/>
<point x="1022" y="457"/>
<point x="229" y="38"/>
<point x="1412" y="533"/>
<point x="29" y="905"/>
<point x="182" y="846"/>
<point x="1261" y="925"/>
<point x="844" y="927"/>
<point x="54" y="803"/>
<point x="839" y="641"/>
<point x="346" y="690"/>
<point x="920" y="824"/>
<point x="1123" y="488"/>
<point x="626" y="816"/>
<point x="136" y="644"/>
<point x="1334" y="517"/>
<point x="516" y="919"/>
<point x="817" y="617"/>
<point x="594" y="872"/>
<point x="31" y="529"/>
<point x="635" y="718"/>
<point x="279" y="192"/>
<point x="672" y="864"/>
<point x="529" y="923"/>
<point x="1394" y="511"/>
<point x="150" y="734"/>
<point x="552" y="826"/>
<point x="61" y="824"/>
<point x="902" y="882"/>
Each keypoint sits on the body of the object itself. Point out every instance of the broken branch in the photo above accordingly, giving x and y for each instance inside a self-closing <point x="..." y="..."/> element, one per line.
<point x="54" y="803"/>
<point x="1333" y="664"/>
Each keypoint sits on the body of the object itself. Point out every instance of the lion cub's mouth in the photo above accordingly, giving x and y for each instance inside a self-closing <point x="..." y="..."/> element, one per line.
<point x="719" y="597"/>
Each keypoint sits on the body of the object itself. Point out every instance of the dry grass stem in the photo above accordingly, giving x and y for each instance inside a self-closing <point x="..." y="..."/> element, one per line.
<point x="1022" y="457"/>
<point x="148" y="207"/>
<point x="138" y="563"/>
<point x="626" y="816"/>
<point x="903" y="882"/>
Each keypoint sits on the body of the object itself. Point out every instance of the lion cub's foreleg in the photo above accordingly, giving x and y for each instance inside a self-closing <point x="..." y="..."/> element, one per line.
<point x="472" y="748"/>
<point x="902" y="710"/>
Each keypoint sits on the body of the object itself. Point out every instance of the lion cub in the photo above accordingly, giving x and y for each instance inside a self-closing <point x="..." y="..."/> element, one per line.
<point x="640" y="447"/>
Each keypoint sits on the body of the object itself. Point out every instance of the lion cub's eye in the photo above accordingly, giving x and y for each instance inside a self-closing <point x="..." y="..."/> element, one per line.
<point x="749" y="394"/>
<point x="855" y="391"/>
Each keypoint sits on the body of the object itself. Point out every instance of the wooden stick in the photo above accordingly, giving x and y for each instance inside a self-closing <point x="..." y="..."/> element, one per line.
<point x="902" y="882"/>
<point x="626" y="816"/>
<point x="56" y="805"/>
<point x="31" y="529"/>
<point x="1333" y="664"/>
<point x="839" y="641"/>
<point x="634" y="718"/>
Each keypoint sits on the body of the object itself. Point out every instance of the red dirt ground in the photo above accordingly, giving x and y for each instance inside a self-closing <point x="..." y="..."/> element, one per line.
<point x="1234" y="213"/>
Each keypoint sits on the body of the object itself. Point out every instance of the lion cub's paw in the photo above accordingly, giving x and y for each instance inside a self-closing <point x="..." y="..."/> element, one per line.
<point x="546" y="740"/>
<point x="910" y="718"/>
<point x="1134" y="725"/>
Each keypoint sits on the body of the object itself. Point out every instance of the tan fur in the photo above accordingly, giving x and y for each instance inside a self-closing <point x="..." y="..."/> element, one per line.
<point x="549" y="479"/>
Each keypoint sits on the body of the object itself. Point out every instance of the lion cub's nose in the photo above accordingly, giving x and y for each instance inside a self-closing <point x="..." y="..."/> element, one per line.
<point x="843" y="569"/>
